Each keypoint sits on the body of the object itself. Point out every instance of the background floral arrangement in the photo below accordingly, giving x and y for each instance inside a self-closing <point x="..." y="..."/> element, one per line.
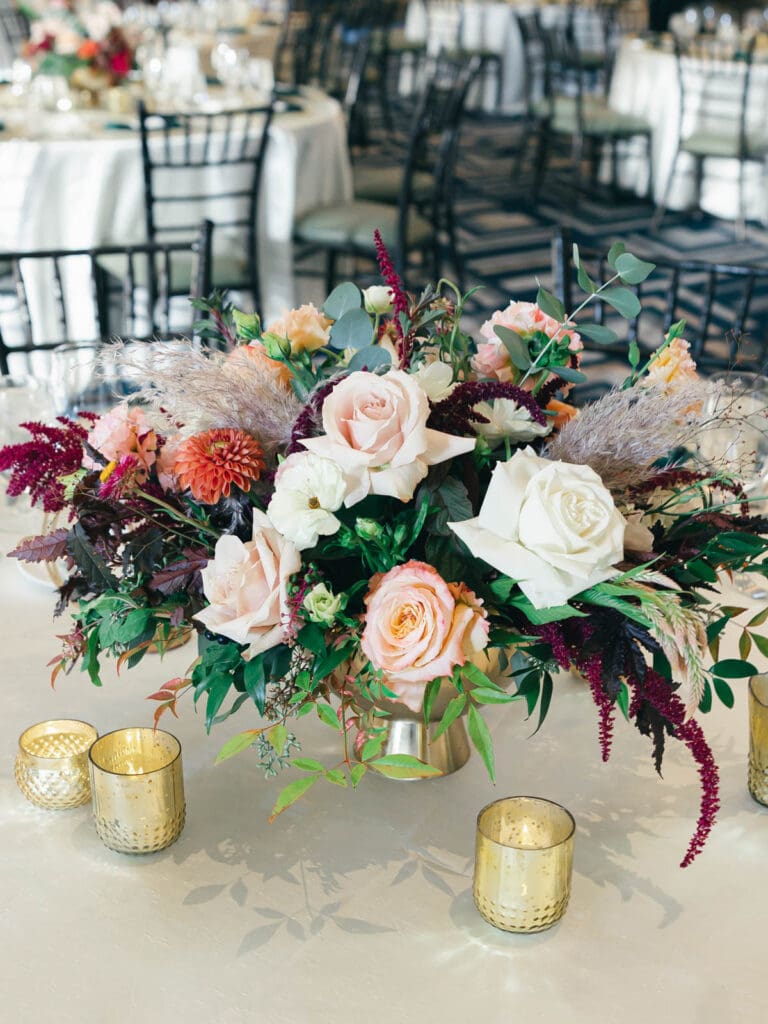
<point x="66" y="37"/>
<point x="361" y="503"/>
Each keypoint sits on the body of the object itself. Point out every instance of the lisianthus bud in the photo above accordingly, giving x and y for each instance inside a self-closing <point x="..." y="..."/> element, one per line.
<point x="322" y="605"/>
<point x="377" y="299"/>
<point x="368" y="529"/>
<point x="277" y="348"/>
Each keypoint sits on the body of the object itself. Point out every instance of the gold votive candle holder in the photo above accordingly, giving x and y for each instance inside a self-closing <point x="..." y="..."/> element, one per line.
<point x="137" y="784"/>
<point x="51" y="768"/>
<point x="757" y="779"/>
<point x="523" y="863"/>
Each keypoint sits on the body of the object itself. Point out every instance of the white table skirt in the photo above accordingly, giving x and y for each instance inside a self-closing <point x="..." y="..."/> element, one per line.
<point x="645" y="84"/>
<point x="359" y="903"/>
<point x="86" y="189"/>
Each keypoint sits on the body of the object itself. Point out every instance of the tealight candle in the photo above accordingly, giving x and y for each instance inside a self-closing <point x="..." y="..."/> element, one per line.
<point x="138" y="789"/>
<point x="758" y="738"/>
<point x="523" y="863"/>
<point x="51" y="767"/>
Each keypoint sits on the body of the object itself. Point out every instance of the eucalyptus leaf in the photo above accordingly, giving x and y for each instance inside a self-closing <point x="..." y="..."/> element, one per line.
<point x="515" y="346"/>
<point x="352" y="330"/>
<point x="344" y="297"/>
<point x="631" y="269"/>
<point x="614" y="252"/>
<point x="599" y="334"/>
<point x="624" y="301"/>
<point x="569" y="374"/>
<point x="550" y="304"/>
<point x="369" y="358"/>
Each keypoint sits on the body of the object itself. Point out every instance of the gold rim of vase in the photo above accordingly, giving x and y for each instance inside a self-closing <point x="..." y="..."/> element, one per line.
<point x="139" y="729"/>
<point x="533" y="799"/>
<point x="47" y="728"/>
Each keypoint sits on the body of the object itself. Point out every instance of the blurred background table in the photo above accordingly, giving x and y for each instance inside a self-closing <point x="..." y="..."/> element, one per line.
<point x="363" y="899"/>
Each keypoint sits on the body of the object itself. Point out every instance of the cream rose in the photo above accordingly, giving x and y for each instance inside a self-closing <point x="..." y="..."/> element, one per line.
<point x="376" y="430"/>
<point x="308" y="490"/>
<point x="377" y="299"/>
<point x="551" y="526"/>
<point x="246" y="585"/>
<point x="419" y="628"/>
<point x="306" y="328"/>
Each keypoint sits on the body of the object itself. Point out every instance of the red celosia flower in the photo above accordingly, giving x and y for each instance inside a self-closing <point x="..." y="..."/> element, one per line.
<point x="121" y="63"/>
<point x="211" y="462"/>
<point x="38" y="465"/>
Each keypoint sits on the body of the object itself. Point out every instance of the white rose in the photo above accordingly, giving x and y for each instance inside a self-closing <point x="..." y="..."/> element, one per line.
<point x="377" y="299"/>
<point x="308" y="490"/>
<point x="551" y="526"/>
<point x="436" y="380"/>
<point x="508" y="419"/>
<point x="376" y="431"/>
<point x="247" y="586"/>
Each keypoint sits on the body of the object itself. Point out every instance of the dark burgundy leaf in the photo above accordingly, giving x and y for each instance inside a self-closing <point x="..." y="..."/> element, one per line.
<point x="46" y="547"/>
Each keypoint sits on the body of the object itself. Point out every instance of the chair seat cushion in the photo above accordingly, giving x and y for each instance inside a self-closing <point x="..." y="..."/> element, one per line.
<point x="383" y="184"/>
<point x="351" y="226"/>
<point x="598" y="118"/>
<point x="227" y="271"/>
<point x="717" y="145"/>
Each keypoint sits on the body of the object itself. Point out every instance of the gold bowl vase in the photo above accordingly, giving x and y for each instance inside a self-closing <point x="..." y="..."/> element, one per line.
<point x="51" y="768"/>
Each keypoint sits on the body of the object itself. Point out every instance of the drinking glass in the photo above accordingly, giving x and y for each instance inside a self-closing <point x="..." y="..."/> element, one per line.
<point x="86" y="378"/>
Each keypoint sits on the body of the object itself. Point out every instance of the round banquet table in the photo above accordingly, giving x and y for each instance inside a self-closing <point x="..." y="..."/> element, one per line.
<point x="74" y="180"/>
<point x="359" y="902"/>
<point x="645" y="84"/>
<point x="492" y="27"/>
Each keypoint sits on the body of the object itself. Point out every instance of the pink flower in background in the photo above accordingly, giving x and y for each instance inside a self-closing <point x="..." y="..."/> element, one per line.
<point x="419" y="628"/>
<point x="524" y="318"/>
<point x="166" y="459"/>
<point x="124" y="431"/>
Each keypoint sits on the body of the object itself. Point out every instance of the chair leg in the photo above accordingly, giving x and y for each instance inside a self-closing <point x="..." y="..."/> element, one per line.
<point x="330" y="271"/>
<point x="649" y="158"/>
<point x="741" y="222"/>
<point x="699" y="179"/>
<point x="540" y="161"/>
<point x="661" y="208"/>
<point x="453" y="249"/>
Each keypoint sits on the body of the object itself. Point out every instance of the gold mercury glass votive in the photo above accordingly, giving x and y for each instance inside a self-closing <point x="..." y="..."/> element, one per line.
<point x="523" y="862"/>
<point x="51" y="768"/>
<point x="758" y="738"/>
<point x="138" y="789"/>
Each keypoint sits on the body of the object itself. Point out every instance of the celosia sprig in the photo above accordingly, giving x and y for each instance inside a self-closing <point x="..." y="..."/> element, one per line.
<point x="456" y="414"/>
<point x="38" y="465"/>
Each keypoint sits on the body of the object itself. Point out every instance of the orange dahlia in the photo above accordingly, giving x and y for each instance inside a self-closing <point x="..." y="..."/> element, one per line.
<point x="210" y="462"/>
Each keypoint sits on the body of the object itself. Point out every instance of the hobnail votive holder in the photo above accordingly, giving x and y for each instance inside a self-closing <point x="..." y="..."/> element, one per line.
<point x="523" y="863"/>
<point x="51" y="768"/>
<point x="757" y="780"/>
<point x="137" y="784"/>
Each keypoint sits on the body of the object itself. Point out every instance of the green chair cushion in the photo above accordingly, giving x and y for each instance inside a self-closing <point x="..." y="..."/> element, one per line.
<point x="598" y="118"/>
<point x="351" y="226"/>
<point x="716" y="145"/>
<point x="383" y="184"/>
<point x="227" y="271"/>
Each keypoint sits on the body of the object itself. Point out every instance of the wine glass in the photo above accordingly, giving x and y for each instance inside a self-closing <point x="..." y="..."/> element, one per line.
<point x="22" y="399"/>
<point x="86" y="378"/>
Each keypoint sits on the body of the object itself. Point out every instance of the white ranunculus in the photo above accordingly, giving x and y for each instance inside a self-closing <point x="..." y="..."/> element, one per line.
<point x="436" y="380"/>
<point x="551" y="526"/>
<point x="322" y="605"/>
<point x="376" y="430"/>
<point x="308" y="490"/>
<point x="377" y="299"/>
<point x="508" y="419"/>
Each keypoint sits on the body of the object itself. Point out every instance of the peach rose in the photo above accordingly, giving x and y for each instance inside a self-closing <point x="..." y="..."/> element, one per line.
<point x="672" y="367"/>
<point x="376" y="430"/>
<point x="247" y="586"/>
<point x="524" y="318"/>
<point x="124" y="431"/>
<point x="306" y="328"/>
<point x="256" y="352"/>
<point x="419" y="628"/>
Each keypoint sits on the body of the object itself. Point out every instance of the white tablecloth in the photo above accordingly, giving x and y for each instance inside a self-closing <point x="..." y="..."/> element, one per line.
<point x="487" y="26"/>
<point x="358" y="904"/>
<point x="84" y="188"/>
<point x="645" y="84"/>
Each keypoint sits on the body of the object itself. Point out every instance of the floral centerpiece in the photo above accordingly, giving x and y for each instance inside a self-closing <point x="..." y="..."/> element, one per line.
<point x="355" y="507"/>
<point x="84" y="43"/>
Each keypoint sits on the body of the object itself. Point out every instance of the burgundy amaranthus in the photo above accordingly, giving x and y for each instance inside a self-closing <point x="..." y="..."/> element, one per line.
<point x="309" y="420"/>
<point x="456" y="414"/>
<point x="399" y="296"/>
<point x="38" y="465"/>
